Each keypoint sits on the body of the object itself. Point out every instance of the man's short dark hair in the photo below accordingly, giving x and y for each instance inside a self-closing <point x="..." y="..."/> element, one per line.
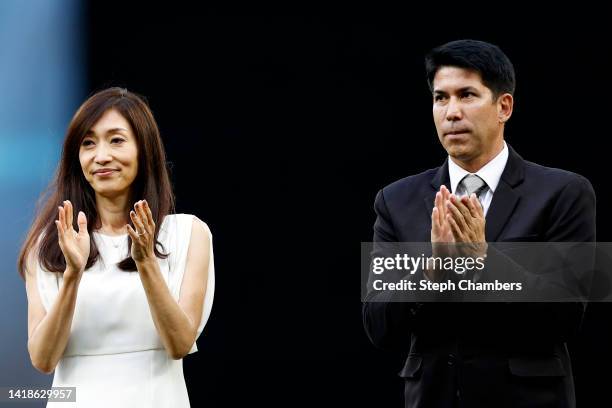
<point x="494" y="67"/>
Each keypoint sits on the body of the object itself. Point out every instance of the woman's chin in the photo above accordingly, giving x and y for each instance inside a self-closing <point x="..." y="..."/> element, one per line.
<point x="109" y="191"/>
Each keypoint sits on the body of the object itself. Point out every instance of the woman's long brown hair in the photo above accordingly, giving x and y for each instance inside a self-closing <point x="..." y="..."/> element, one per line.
<point x="152" y="182"/>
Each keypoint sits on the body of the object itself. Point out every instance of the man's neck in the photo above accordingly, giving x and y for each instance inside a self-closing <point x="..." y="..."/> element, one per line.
<point x="479" y="162"/>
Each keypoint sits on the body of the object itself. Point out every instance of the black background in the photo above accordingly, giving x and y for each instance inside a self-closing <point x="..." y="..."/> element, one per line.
<point x="281" y="125"/>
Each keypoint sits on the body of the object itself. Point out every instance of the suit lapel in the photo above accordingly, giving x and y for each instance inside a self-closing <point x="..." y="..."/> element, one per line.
<point x="505" y="197"/>
<point x="501" y="208"/>
<point x="441" y="177"/>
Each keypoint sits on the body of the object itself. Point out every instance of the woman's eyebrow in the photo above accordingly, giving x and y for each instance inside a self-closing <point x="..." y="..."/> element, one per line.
<point x="91" y="132"/>
<point x="115" y="130"/>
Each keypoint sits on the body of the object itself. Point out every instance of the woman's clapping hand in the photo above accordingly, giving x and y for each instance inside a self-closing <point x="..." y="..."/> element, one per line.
<point x="74" y="245"/>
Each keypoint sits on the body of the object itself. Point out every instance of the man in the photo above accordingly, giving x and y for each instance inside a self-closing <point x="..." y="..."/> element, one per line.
<point x="480" y="354"/>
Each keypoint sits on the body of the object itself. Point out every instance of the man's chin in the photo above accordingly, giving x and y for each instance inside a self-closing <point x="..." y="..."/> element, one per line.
<point x="462" y="153"/>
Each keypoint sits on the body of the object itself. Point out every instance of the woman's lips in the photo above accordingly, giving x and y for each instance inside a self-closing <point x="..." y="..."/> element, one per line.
<point x="104" y="173"/>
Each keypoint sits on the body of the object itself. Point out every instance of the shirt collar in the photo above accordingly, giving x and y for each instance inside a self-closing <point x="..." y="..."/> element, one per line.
<point x="490" y="172"/>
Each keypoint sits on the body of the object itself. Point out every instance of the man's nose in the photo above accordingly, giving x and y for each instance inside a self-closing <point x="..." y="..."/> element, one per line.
<point x="453" y="110"/>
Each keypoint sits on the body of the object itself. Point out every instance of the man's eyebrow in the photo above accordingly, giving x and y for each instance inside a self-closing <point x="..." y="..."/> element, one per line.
<point x="460" y="90"/>
<point x="90" y="132"/>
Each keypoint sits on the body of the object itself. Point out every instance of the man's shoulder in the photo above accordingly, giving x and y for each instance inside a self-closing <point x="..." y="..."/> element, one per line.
<point x="549" y="178"/>
<point x="554" y="177"/>
<point x="409" y="185"/>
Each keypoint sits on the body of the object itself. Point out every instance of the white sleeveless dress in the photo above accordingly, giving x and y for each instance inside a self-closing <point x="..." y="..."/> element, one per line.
<point x="114" y="356"/>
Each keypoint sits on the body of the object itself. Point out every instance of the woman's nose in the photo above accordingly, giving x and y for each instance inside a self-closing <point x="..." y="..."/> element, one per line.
<point x="102" y="154"/>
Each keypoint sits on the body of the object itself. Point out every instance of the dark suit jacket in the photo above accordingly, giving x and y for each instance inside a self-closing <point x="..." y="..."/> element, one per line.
<point x="485" y="354"/>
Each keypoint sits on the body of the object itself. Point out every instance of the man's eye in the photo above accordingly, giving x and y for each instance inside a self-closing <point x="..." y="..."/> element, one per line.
<point x="438" y="98"/>
<point x="469" y="94"/>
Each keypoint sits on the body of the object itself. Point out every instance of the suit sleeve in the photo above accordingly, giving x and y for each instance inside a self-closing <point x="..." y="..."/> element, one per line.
<point x="387" y="322"/>
<point x="571" y="219"/>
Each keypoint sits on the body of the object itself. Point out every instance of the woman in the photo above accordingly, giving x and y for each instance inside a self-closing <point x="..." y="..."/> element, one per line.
<point x="117" y="300"/>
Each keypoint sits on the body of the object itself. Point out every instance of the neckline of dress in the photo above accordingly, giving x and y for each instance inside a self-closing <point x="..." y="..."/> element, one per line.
<point x="111" y="236"/>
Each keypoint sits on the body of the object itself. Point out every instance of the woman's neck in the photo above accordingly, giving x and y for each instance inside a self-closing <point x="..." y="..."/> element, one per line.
<point x="112" y="213"/>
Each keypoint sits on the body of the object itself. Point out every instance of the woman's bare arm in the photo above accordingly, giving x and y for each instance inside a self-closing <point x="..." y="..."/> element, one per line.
<point x="48" y="333"/>
<point x="176" y="322"/>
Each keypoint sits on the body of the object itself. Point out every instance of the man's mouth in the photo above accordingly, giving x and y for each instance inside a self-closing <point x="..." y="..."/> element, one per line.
<point x="457" y="132"/>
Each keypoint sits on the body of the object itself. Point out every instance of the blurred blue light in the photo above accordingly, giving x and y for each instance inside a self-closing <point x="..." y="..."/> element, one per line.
<point x="42" y="82"/>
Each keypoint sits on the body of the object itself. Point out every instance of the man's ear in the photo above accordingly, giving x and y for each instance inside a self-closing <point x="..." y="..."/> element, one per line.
<point x="505" y="104"/>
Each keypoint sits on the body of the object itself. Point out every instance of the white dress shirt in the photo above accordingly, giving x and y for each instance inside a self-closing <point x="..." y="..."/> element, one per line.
<point x="490" y="173"/>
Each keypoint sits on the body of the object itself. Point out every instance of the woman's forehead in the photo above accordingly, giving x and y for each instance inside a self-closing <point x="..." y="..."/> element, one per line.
<point x="110" y="121"/>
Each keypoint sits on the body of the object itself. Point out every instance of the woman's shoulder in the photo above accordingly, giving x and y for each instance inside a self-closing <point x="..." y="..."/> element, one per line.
<point x="184" y="222"/>
<point x="33" y="257"/>
<point x="31" y="260"/>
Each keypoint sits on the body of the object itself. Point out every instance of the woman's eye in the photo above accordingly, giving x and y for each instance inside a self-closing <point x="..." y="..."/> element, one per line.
<point x="117" y="140"/>
<point x="87" y="142"/>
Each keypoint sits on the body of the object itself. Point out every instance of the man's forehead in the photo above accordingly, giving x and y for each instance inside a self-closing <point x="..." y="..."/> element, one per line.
<point x="448" y="77"/>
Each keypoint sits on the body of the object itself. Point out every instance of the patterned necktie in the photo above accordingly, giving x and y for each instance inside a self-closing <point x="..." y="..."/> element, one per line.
<point x="474" y="184"/>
